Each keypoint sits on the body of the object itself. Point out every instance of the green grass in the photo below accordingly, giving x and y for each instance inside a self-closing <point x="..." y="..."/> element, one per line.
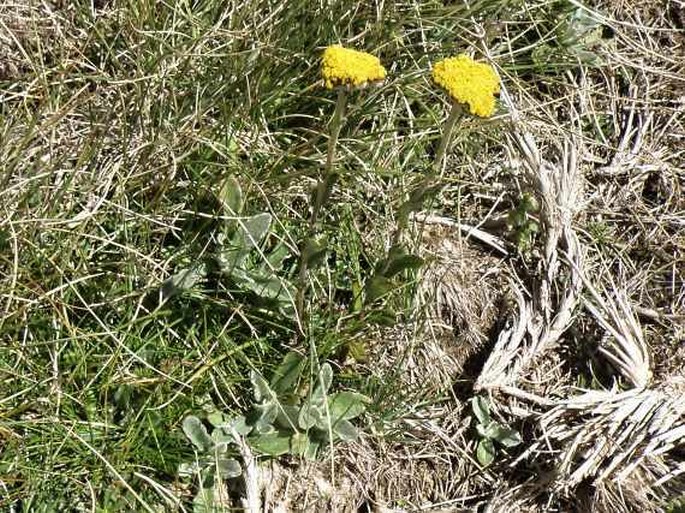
<point x="117" y="133"/>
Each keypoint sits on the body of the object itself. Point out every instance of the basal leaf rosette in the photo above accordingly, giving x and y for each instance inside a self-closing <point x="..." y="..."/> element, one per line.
<point x="469" y="83"/>
<point x="350" y="68"/>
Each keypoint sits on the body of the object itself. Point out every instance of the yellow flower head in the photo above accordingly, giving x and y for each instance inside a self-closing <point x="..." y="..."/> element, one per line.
<point x="468" y="82"/>
<point x="344" y="67"/>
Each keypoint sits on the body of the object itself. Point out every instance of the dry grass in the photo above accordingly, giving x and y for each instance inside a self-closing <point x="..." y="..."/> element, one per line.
<point x="577" y="340"/>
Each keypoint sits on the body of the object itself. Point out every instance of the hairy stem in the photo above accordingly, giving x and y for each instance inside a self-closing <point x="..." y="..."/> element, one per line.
<point x="455" y="115"/>
<point x="321" y="195"/>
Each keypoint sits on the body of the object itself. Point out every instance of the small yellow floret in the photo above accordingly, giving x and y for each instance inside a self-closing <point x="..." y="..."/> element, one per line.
<point x="345" y="67"/>
<point x="468" y="82"/>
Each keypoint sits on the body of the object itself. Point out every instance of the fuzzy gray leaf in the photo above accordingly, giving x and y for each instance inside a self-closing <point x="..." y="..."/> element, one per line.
<point x="346" y="405"/>
<point x="255" y="229"/>
<point x="485" y="453"/>
<point x="228" y="468"/>
<point x="196" y="432"/>
<point x="481" y="409"/>
<point x="345" y="431"/>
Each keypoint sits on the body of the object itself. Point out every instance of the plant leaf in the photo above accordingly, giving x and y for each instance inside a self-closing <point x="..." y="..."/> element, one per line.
<point x="485" y="452"/>
<point x="204" y="501"/>
<point x="255" y="229"/>
<point x="188" y="469"/>
<point x="216" y="418"/>
<point x="287" y="373"/>
<point x="345" y="430"/>
<point x="398" y="260"/>
<point x="239" y="424"/>
<point x="314" y="251"/>
<point x="481" y="409"/>
<point x="231" y="196"/>
<point x="309" y="416"/>
<point x="197" y="433"/>
<point x="325" y="377"/>
<point x="267" y="412"/>
<point x="272" y="444"/>
<point x="260" y="387"/>
<point x="222" y="438"/>
<point x="228" y="468"/>
<point x="299" y="444"/>
<point x="376" y="287"/>
<point x="346" y="405"/>
<point x="323" y="383"/>
<point x="182" y="281"/>
<point x="502" y="434"/>
<point x="288" y="417"/>
<point x="312" y="450"/>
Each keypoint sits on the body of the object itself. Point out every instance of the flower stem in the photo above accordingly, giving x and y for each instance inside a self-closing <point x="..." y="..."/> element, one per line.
<point x="325" y="185"/>
<point x="455" y="115"/>
<point x="321" y="195"/>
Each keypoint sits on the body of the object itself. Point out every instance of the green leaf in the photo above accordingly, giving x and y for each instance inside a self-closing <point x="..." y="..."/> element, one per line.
<point x="322" y="384"/>
<point x="240" y="425"/>
<point x="481" y="409"/>
<point x="287" y="373"/>
<point x="188" y="469"/>
<point x="231" y="196"/>
<point x="260" y="387"/>
<point x="309" y="416"/>
<point x="503" y="434"/>
<point x="183" y="281"/>
<point x="398" y="261"/>
<point x="345" y="430"/>
<point x="288" y="417"/>
<point x="314" y="251"/>
<point x="273" y="444"/>
<point x="216" y="418"/>
<point x="357" y="350"/>
<point x="204" y="501"/>
<point x="263" y="428"/>
<point x="485" y="452"/>
<point x="299" y="444"/>
<point x="222" y="438"/>
<point x="426" y="189"/>
<point x="346" y="405"/>
<point x="197" y="433"/>
<point x="376" y="287"/>
<point x="277" y="256"/>
<point x="312" y="450"/>
<point x="255" y="229"/>
<point x="228" y="468"/>
<point x="529" y="203"/>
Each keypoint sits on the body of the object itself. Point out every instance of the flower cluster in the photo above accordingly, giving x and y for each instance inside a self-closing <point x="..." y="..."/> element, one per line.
<point x="468" y="82"/>
<point x="345" y="67"/>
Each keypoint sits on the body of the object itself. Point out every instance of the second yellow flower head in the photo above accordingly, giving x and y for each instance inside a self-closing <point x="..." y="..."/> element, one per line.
<point x="468" y="82"/>
<point x="345" y="67"/>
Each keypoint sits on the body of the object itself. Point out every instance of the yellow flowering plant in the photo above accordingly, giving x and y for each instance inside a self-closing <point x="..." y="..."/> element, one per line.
<point x="468" y="82"/>
<point x="471" y="85"/>
<point x="346" y="67"/>
<point x="343" y="69"/>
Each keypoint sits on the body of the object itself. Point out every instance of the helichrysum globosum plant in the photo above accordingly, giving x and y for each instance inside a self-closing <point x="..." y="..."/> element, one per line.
<point x="471" y="85"/>
<point x="345" y="70"/>
<point x="351" y="68"/>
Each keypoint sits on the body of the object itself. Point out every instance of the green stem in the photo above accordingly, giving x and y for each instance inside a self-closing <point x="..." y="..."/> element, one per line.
<point x="432" y="177"/>
<point x="322" y="193"/>
<point x="325" y="185"/>
<point x="455" y="115"/>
